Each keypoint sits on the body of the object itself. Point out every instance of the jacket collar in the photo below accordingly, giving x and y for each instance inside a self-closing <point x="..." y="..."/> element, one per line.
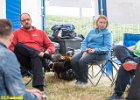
<point x="3" y="44"/>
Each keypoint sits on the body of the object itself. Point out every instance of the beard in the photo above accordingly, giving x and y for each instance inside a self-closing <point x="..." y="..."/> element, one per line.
<point x="27" y="26"/>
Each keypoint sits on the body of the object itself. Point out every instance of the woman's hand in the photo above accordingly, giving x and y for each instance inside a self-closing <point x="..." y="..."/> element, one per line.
<point x="91" y="51"/>
<point x="84" y="53"/>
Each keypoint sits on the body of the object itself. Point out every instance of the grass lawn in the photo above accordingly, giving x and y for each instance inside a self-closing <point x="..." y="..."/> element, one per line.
<point x="58" y="89"/>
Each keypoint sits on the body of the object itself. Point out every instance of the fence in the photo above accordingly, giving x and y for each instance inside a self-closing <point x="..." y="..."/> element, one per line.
<point x="84" y="24"/>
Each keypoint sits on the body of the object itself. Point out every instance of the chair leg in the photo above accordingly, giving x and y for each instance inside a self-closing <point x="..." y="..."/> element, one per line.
<point x="115" y="68"/>
<point x="31" y="78"/>
<point x="102" y="71"/>
<point x="91" y="76"/>
<point x="31" y="75"/>
<point x="44" y="78"/>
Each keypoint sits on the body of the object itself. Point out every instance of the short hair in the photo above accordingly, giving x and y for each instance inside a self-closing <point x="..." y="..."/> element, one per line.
<point x="104" y="17"/>
<point x="5" y="27"/>
<point x="26" y="14"/>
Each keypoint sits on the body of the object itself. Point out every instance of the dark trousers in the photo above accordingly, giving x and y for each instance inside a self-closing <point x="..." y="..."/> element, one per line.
<point x="123" y="78"/>
<point x="29" y="59"/>
<point x="134" y="91"/>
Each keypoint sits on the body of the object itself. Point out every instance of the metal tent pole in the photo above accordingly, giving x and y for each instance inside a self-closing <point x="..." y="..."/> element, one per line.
<point x="43" y="15"/>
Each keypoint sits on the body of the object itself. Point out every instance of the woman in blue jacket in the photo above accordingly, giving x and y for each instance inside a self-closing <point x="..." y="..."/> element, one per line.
<point x="95" y="47"/>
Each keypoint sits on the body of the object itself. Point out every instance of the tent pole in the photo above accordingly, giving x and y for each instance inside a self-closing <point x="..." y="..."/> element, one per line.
<point x="43" y="14"/>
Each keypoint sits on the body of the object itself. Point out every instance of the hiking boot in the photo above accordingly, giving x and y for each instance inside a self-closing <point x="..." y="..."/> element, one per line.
<point x="130" y="65"/>
<point x="115" y="97"/>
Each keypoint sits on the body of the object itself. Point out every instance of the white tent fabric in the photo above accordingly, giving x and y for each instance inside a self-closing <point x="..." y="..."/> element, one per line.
<point x="71" y="3"/>
<point x="124" y="11"/>
<point x="11" y="9"/>
<point x="2" y="9"/>
<point x="33" y="7"/>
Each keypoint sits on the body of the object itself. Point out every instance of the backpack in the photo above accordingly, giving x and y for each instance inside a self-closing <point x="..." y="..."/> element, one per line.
<point x="63" y="31"/>
<point x="63" y="68"/>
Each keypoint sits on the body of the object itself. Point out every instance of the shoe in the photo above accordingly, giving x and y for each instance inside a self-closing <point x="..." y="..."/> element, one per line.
<point x="77" y="82"/>
<point x="72" y="83"/>
<point x="82" y="84"/>
<point x="130" y="65"/>
<point x="44" y="96"/>
<point x="115" y="97"/>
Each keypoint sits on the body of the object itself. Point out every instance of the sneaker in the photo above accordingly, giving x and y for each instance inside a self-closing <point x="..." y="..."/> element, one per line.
<point x="130" y="65"/>
<point x="72" y="83"/>
<point x="44" y="96"/>
<point x="77" y="82"/>
<point x="82" y="84"/>
<point x="115" y="97"/>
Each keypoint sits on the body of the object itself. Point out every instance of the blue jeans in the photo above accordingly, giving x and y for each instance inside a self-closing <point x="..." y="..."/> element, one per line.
<point x="80" y="64"/>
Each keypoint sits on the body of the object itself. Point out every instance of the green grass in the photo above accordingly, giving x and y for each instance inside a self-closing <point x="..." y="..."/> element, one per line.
<point x="84" y="24"/>
<point x="58" y="89"/>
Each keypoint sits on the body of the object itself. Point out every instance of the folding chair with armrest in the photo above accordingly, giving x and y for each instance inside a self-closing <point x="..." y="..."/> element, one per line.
<point x="101" y="64"/>
<point x="28" y="72"/>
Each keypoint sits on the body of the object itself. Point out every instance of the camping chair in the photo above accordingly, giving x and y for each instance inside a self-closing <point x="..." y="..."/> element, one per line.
<point x="129" y="39"/>
<point x="27" y="72"/>
<point x="115" y="63"/>
<point x="103" y="65"/>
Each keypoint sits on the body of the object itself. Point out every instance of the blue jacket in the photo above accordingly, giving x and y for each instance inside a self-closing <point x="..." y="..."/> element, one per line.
<point x="100" y="41"/>
<point x="11" y="83"/>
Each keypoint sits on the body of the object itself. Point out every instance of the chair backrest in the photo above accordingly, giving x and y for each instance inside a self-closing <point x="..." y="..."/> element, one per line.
<point x="130" y="39"/>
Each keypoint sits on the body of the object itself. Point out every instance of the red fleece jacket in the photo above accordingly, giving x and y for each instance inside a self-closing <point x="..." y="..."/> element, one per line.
<point x="35" y="38"/>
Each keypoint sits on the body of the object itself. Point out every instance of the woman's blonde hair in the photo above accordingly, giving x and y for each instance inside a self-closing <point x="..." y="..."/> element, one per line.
<point x="104" y="17"/>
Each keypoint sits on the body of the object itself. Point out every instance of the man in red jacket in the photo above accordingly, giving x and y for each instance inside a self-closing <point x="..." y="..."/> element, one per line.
<point x="31" y="46"/>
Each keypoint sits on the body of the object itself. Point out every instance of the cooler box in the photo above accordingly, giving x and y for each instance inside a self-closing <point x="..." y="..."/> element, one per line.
<point x="74" y="43"/>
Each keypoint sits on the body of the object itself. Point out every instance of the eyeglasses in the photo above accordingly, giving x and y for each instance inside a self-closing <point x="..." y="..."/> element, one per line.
<point x="24" y="20"/>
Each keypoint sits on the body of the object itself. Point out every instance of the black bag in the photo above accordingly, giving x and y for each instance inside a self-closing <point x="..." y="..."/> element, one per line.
<point x="63" y="31"/>
<point x="63" y="68"/>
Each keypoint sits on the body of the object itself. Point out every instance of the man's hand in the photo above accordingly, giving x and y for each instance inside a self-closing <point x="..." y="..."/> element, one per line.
<point x="37" y="93"/>
<point x="41" y="54"/>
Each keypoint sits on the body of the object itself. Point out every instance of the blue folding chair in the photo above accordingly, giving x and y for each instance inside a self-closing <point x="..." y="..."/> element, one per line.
<point x="130" y="39"/>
